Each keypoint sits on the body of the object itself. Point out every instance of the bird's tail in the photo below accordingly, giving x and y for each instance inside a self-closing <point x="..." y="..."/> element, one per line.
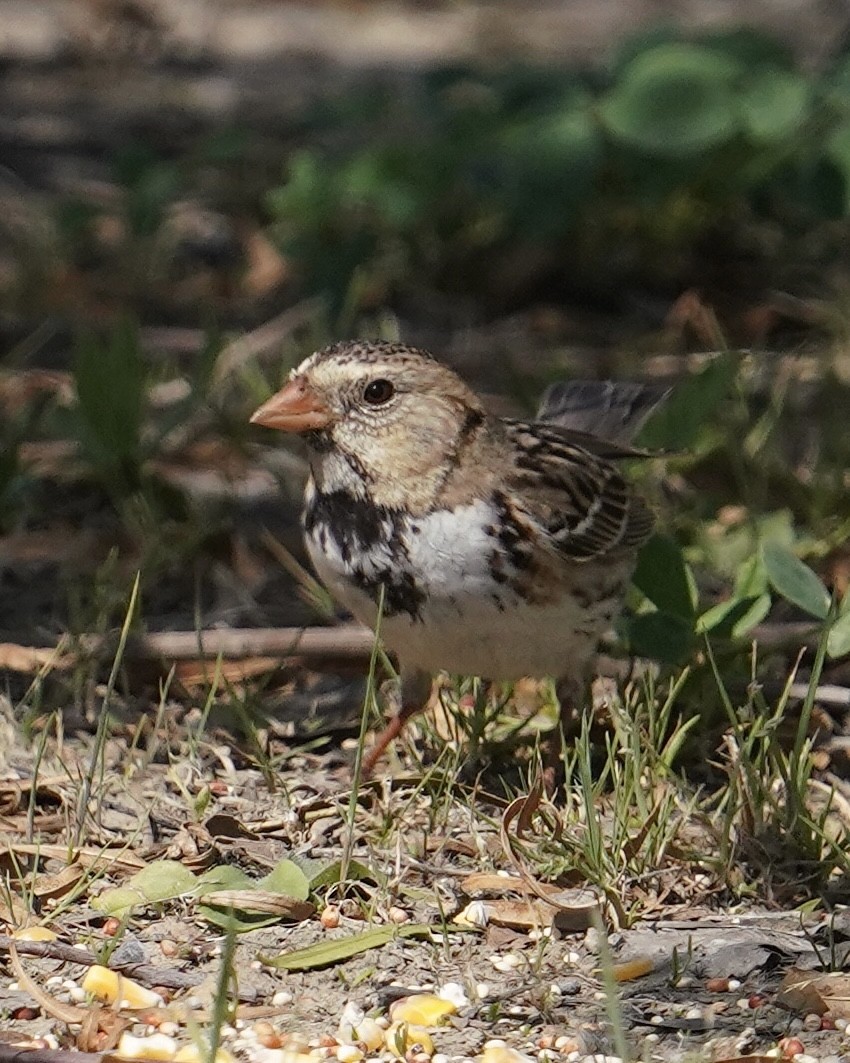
<point x="610" y="410"/>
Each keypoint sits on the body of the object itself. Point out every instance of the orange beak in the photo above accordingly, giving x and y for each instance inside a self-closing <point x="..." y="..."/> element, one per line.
<point x="295" y="408"/>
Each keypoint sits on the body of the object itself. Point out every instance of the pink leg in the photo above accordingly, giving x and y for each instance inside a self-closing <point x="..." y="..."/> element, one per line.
<point x="415" y="690"/>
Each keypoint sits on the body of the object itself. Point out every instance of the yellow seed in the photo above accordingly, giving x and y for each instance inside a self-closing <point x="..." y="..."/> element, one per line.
<point x="192" y="1054"/>
<point x="34" y="933"/>
<point x="401" y="1037"/>
<point x="348" y="1054"/>
<point x="369" y="1033"/>
<point x="108" y="986"/>
<point x="500" y="1053"/>
<point x="157" y="1046"/>
<point x="422" y="1009"/>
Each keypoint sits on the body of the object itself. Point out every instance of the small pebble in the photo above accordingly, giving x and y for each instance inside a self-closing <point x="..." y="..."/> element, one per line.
<point x="811" y="1022"/>
<point x="734" y="983"/>
<point x="570" y="986"/>
<point x="281" y="998"/>
<point x="482" y="991"/>
<point x="694" y="1013"/>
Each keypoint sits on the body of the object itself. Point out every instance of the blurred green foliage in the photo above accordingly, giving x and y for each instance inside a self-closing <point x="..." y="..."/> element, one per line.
<point x="617" y="172"/>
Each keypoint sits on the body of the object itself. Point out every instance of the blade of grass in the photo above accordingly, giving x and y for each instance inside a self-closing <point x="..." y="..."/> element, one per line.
<point x="103" y="719"/>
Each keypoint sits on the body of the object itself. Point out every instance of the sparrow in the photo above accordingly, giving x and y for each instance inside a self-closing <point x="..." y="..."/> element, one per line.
<point x="495" y="547"/>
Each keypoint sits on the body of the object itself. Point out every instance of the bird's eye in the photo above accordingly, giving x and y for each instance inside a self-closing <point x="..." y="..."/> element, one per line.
<point x="377" y="392"/>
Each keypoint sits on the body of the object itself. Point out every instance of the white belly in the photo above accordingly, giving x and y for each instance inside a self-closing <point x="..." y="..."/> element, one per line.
<point x="467" y="623"/>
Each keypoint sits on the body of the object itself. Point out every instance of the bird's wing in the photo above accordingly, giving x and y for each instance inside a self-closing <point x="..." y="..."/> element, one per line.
<point x="604" y="409"/>
<point x="579" y="498"/>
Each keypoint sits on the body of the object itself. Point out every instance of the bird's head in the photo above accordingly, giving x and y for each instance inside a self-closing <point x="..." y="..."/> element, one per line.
<point x="393" y="410"/>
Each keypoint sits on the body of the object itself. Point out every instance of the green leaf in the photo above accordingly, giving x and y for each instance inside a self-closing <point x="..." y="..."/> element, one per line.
<point x="752" y="48"/>
<point x="288" y="879"/>
<point x="109" y="377"/>
<point x="774" y="104"/>
<point x="674" y="100"/>
<point x="735" y="617"/>
<point x="751" y="578"/>
<point x="224" y="877"/>
<point x="325" y="953"/>
<point x="676" y="424"/>
<point x="661" y="636"/>
<point x="329" y="874"/>
<point x="838" y="152"/>
<point x="838" y="640"/>
<point x="162" y="880"/>
<point x="550" y="161"/>
<point x="662" y="575"/>
<point x="795" y="581"/>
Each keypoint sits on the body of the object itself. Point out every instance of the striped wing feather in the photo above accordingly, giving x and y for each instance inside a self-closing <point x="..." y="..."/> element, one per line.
<point x="579" y="498"/>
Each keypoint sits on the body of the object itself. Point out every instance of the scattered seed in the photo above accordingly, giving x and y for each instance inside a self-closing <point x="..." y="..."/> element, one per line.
<point x="506" y="963"/>
<point x="26" y="1013"/>
<point x="566" y="1045"/>
<point x="281" y="998"/>
<point x="734" y="983"/>
<point x="717" y="985"/>
<point x="330" y="917"/>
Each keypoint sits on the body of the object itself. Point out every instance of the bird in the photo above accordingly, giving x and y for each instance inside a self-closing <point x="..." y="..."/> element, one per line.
<point x="494" y="547"/>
